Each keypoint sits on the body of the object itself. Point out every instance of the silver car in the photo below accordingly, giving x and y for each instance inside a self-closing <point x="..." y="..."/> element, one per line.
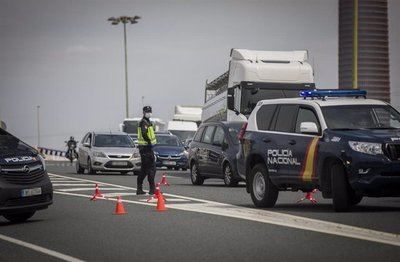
<point x="108" y="152"/>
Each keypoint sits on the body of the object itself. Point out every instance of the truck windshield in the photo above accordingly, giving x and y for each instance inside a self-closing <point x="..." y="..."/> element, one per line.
<point x="361" y="117"/>
<point x="113" y="141"/>
<point x="11" y="143"/>
<point x="130" y="127"/>
<point x="183" y="135"/>
<point x="250" y="97"/>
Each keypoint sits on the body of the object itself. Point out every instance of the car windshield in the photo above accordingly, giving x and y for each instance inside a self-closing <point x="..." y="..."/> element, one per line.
<point x="361" y="117"/>
<point x="183" y="135"/>
<point x="113" y="141"/>
<point x="11" y="143"/>
<point x="168" y="141"/>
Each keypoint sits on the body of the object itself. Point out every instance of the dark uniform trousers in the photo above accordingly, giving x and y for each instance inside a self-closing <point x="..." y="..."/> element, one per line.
<point x="148" y="167"/>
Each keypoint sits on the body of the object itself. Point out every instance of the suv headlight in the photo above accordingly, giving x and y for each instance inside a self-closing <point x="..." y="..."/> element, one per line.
<point x="366" y="147"/>
<point x="98" y="154"/>
<point x="184" y="153"/>
<point x="136" y="155"/>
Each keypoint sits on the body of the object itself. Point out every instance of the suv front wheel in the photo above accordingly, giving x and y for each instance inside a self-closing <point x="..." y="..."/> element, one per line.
<point x="263" y="192"/>
<point x="343" y="195"/>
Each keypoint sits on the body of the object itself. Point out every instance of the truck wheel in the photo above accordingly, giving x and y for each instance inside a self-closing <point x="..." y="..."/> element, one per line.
<point x="263" y="192"/>
<point x="79" y="168"/>
<point x="90" y="168"/>
<point x="341" y="190"/>
<point x="195" y="176"/>
<point x="228" y="176"/>
<point x="19" y="218"/>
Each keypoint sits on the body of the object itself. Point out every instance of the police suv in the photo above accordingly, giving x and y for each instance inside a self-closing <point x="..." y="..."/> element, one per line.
<point x="24" y="184"/>
<point x="336" y="141"/>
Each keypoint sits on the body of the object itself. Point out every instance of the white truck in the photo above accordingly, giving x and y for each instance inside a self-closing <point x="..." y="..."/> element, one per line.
<point x="254" y="76"/>
<point x="130" y="125"/>
<point x="184" y="130"/>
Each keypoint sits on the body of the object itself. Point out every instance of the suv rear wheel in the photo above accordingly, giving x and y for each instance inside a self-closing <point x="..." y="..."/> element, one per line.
<point x="343" y="195"/>
<point x="263" y="192"/>
<point x="195" y="175"/>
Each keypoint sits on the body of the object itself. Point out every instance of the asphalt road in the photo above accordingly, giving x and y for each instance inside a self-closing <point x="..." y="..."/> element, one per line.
<point x="202" y="223"/>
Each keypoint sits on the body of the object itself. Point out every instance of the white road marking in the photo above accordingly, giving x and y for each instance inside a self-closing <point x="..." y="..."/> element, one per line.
<point x="89" y="188"/>
<point x="39" y="249"/>
<point x="268" y="217"/>
<point x="87" y="184"/>
<point x="167" y="200"/>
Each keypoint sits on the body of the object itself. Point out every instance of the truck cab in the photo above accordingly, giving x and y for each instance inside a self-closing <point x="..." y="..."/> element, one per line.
<point x="336" y="141"/>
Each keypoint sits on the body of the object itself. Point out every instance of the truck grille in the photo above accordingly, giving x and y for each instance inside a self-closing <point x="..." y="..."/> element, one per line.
<point x="22" y="174"/>
<point x="392" y="151"/>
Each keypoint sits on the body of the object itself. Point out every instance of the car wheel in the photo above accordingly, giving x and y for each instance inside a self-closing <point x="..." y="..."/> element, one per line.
<point x="195" y="176"/>
<point x="90" y="168"/>
<point x="228" y="176"/>
<point x="79" y="168"/>
<point x="263" y="192"/>
<point x="19" y="218"/>
<point x="341" y="191"/>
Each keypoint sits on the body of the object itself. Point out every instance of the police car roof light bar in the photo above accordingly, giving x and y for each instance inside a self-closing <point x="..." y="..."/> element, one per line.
<point x="323" y="93"/>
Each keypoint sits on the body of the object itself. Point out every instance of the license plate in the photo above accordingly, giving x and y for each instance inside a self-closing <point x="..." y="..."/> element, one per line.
<point x="31" y="192"/>
<point x="120" y="163"/>
<point x="169" y="163"/>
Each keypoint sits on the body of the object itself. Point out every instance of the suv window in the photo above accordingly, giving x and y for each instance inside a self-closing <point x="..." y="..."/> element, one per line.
<point x="84" y="138"/>
<point x="264" y="116"/>
<point x="219" y="136"/>
<point x="208" y="134"/>
<point x="286" y="117"/>
<point x="306" y="115"/>
<point x="197" y="137"/>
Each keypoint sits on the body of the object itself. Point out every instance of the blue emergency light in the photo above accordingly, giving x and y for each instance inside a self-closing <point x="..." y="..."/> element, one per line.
<point x="322" y="93"/>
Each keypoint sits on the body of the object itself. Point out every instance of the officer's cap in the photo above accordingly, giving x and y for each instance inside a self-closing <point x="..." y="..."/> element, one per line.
<point x="147" y="109"/>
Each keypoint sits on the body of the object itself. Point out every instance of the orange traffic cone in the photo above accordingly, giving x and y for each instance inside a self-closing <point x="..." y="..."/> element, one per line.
<point x="97" y="193"/>
<point x="161" y="203"/>
<point x="156" y="193"/>
<point x="164" y="180"/>
<point x="309" y="196"/>
<point x="119" y="209"/>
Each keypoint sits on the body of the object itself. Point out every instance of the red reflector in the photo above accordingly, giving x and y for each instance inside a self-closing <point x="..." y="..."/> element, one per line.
<point x="242" y="131"/>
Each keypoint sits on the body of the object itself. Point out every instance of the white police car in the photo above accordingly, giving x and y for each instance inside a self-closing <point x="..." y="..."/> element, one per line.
<point x="336" y="141"/>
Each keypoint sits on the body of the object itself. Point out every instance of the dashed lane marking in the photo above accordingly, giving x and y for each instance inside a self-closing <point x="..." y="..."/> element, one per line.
<point x="264" y="216"/>
<point x="40" y="249"/>
<point x="88" y="189"/>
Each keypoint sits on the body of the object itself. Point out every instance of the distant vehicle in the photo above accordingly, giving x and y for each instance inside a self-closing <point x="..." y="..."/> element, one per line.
<point x="254" y="76"/>
<point x="108" y="152"/>
<point x="182" y="129"/>
<point x="347" y="147"/>
<point x="25" y="186"/>
<point x="188" y="113"/>
<point x="130" y="125"/>
<point x="170" y="152"/>
<point x="213" y="152"/>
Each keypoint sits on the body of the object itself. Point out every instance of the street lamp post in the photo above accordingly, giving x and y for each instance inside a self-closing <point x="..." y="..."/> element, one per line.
<point x="38" y="125"/>
<point x="125" y="20"/>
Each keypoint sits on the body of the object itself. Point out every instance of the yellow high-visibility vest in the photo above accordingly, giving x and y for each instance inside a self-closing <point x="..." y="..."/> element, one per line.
<point x="150" y="134"/>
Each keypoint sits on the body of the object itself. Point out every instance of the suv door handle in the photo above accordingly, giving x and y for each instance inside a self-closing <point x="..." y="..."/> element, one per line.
<point x="266" y="140"/>
<point x="292" y="142"/>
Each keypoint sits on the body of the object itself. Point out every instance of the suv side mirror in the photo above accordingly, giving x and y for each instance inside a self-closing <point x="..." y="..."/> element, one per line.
<point x="86" y="144"/>
<point x="309" y="128"/>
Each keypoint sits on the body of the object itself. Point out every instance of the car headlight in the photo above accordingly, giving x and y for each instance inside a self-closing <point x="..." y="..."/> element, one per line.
<point x="366" y="147"/>
<point x="98" y="154"/>
<point x="43" y="162"/>
<point x="136" y="155"/>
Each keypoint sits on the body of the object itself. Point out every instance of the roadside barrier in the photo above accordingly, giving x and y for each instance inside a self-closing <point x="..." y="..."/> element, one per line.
<point x="51" y="152"/>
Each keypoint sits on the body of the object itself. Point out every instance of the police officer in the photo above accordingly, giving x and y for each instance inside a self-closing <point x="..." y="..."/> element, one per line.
<point x="146" y="140"/>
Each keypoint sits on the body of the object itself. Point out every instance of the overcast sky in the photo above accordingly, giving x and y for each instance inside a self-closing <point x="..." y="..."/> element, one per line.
<point x="65" y="56"/>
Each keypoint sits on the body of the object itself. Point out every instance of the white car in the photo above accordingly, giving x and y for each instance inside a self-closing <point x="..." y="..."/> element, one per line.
<point x="108" y="152"/>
